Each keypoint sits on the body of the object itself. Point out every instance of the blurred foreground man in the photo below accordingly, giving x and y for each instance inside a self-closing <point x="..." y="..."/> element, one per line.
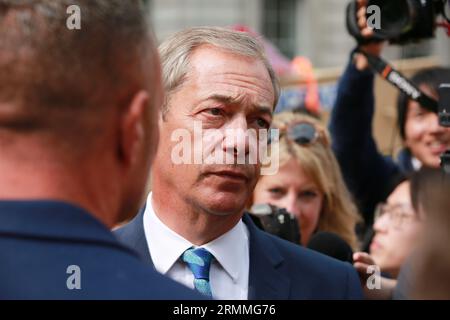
<point x="77" y="139"/>
<point x="193" y="227"/>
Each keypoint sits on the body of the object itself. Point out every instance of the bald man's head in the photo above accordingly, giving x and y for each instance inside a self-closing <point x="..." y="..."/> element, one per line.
<point x="78" y="108"/>
<point x="68" y="82"/>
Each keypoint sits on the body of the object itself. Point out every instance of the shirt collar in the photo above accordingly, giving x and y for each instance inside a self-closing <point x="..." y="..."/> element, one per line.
<point x="416" y="164"/>
<point x="229" y="249"/>
<point x="166" y="246"/>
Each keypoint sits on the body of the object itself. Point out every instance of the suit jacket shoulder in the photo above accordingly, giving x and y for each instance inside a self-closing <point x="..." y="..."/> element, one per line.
<point x="133" y="236"/>
<point x="53" y="250"/>
<point x="307" y="274"/>
<point x="278" y="269"/>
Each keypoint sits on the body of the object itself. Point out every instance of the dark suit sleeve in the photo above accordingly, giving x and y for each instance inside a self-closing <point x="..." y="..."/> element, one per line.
<point x="366" y="172"/>
<point x="354" y="290"/>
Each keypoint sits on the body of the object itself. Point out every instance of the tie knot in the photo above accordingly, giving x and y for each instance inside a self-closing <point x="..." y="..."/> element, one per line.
<point x="199" y="261"/>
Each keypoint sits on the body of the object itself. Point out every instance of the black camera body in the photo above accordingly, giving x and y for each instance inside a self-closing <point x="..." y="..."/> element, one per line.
<point x="444" y="120"/>
<point x="444" y="105"/>
<point x="276" y="221"/>
<point x="401" y="21"/>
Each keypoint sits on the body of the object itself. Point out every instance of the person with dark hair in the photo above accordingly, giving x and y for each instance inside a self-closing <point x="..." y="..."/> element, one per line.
<point x="397" y="230"/>
<point x="370" y="176"/>
<point x="423" y="138"/>
<point x="77" y="138"/>
<point x="411" y="239"/>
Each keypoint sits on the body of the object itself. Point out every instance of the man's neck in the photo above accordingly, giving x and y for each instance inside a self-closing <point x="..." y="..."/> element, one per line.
<point x="192" y="223"/>
<point x="46" y="181"/>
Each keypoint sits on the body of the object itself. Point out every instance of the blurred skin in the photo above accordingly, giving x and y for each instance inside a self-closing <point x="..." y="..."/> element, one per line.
<point x="423" y="136"/>
<point x="224" y="91"/>
<point x="140" y="139"/>
<point x="392" y="244"/>
<point x="293" y="190"/>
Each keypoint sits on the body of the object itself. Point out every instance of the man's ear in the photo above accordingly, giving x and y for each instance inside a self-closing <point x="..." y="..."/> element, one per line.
<point x="132" y="128"/>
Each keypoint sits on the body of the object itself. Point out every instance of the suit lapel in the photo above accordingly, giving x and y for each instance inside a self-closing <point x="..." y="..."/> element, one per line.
<point x="134" y="234"/>
<point x="267" y="275"/>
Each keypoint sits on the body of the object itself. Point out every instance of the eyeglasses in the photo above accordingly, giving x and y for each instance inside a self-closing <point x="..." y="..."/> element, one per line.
<point x="397" y="213"/>
<point x="303" y="133"/>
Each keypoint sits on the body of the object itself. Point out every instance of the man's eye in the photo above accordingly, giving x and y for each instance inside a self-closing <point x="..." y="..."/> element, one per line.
<point x="420" y="114"/>
<point x="215" y="111"/>
<point x="262" y="123"/>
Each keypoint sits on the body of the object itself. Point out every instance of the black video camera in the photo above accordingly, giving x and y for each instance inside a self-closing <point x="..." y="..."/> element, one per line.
<point x="276" y="221"/>
<point x="400" y="21"/>
<point x="444" y="120"/>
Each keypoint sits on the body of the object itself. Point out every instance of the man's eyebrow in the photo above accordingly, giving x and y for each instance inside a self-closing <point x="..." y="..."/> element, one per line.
<point x="264" y="110"/>
<point x="233" y="100"/>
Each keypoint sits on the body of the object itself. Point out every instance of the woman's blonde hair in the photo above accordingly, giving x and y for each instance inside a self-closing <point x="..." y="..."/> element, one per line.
<point x="339" y="213"/>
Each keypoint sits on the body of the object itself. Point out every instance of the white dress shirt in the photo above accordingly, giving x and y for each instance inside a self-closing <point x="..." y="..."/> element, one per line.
<point x="229" y="270"/>
<point x="416" y="164"/>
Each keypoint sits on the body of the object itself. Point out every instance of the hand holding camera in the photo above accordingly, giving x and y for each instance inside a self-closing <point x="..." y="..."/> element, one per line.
<point x="399" y="21"/>
<point x="374" y="48"/>
<point x="373" y="22"/>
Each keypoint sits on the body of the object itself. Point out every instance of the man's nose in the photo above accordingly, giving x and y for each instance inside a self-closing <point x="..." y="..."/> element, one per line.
<point x="236" y="136"/>
<point x="382" y="223"/>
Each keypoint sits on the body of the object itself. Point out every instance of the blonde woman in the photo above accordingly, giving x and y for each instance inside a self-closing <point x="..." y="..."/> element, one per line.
<point x="308" y="183"/>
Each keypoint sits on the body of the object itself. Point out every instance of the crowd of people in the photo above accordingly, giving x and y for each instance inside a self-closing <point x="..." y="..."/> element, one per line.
<point x="85" y="123"/>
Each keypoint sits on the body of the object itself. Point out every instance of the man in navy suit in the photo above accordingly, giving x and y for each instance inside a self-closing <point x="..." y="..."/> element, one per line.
<point x="77" y="137"/>
<point x="219" y="85"/>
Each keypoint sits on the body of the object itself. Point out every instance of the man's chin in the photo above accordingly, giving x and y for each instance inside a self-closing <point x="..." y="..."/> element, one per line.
<point x="432" y="161"/>
<point x="224" y="203"/>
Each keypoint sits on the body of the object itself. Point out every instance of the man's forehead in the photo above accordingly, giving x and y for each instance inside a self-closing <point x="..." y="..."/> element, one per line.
<point x="251" y="105"/>
<point x="401" y="193"/>
<point x="215" y="62"/>
<point x="234" y="75"/>
<point x="234" y="95"/>
<point x="232" y="92"/>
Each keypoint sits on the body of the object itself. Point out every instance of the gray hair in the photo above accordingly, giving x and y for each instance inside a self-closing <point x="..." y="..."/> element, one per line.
<point x="176" y="50"/>
<point x="56" y="79"/>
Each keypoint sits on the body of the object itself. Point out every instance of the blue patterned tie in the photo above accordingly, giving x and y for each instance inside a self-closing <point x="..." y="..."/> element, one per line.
<point x="199" y="261"/>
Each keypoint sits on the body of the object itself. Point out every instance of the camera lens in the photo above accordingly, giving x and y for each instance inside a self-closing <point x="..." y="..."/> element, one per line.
<point x="396" y="17"/>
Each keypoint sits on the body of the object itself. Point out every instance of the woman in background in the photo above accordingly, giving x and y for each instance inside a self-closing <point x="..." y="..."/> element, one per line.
<point x="415" y="205"/>
<point x="309" y="183"/>
<point x="397" y="230"/>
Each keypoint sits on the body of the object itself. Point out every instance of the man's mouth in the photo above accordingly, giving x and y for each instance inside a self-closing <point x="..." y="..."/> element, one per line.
<point x="374" y="246"/>
<point x="231" y="174"/>
<point x="437" y="147"/>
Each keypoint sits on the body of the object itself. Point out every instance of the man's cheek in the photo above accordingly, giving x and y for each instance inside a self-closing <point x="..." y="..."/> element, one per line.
<point x="414" y="133"/>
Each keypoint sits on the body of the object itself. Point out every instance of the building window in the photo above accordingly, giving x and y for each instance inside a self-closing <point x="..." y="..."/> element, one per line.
<point x="279" y="24"/>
